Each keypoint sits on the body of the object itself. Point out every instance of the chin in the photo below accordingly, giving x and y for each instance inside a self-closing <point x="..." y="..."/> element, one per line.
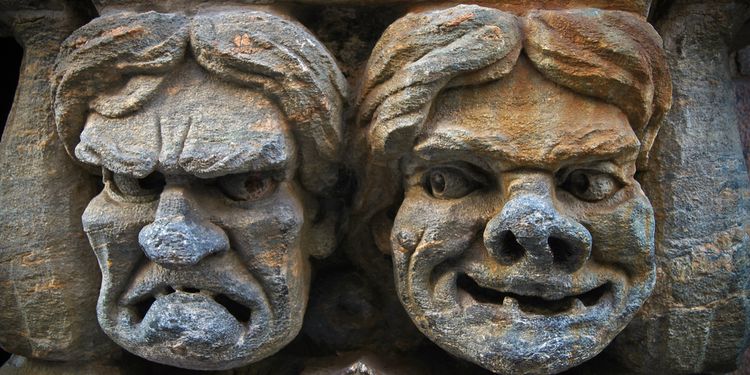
<point x="511" y="325"/>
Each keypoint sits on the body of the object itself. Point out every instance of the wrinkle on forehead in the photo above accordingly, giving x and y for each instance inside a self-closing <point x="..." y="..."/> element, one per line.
<point x="196" y="124"/>
<point x="526" y="120"/>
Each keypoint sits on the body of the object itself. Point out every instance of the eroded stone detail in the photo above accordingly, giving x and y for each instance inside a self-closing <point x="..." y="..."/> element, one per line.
<point x="523" y="242"/>
<point x="493" y="167"/>
<point x="217" y="136"/>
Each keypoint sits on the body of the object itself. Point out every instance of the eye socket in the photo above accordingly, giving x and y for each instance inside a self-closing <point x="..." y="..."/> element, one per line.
<point x="450" y="182"/>
<point x="247" y="187"/>
<point x="591" y="185"/>
<point x="141" y="189"/>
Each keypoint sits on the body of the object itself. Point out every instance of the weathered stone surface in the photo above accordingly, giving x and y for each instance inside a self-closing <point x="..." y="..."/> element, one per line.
<point x="495" y="164"/>
<point x="218" y="137"/>
<point x="48" y="274"/>
<point x="698" y="317"/>
<point x="742" y="92"/>
<point x="523" y="242"/>
<point x="636" y="6"/>
<point x="18" y="365"/>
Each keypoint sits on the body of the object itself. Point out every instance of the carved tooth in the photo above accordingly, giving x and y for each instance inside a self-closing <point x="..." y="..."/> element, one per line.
<point x="578" y="305"/>
<point x="510" y="302"/>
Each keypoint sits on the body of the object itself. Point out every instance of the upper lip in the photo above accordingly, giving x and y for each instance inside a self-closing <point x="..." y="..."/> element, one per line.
<point x="152" y="281"/>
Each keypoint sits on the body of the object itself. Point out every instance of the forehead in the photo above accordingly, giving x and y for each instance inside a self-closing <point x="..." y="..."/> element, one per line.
<point x="194" y="123"/>
<point x="525" y="119"/>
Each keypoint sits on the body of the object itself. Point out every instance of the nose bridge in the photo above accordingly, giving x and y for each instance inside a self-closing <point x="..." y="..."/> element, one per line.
<point x="528" y="182"/>
<point x="175" y="201"/>
<point x="529" y="231"/>
<point x="180" y="235"/>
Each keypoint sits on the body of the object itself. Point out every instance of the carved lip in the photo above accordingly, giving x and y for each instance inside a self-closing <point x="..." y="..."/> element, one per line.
<point x="142" y="303"/>
<point x="536" y="305"/>
<point x="237" y="292"/>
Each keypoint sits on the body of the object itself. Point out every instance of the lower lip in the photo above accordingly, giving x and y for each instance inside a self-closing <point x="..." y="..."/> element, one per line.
<point x="190" y="317"/>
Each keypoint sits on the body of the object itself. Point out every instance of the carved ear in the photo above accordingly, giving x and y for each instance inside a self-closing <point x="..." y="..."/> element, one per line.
<point x="380" y="227"/>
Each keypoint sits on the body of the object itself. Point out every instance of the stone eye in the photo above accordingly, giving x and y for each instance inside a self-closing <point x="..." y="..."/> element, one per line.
<point x="148" y="186"/>
<point x="247" y="187"/>
<point x="449" y="183"/>
<point x="591" y="186"/>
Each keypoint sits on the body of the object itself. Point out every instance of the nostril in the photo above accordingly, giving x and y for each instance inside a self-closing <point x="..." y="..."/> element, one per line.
<point x="510" y="250"/>
<point x="563" y="253"/>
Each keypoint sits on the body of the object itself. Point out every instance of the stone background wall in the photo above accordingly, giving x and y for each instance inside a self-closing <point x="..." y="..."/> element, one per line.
<point x="698" y="185"/>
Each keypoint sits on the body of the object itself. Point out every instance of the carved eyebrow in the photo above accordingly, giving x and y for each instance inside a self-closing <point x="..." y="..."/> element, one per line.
<point x="469" y="147"/>
<point x="271" y="158"/>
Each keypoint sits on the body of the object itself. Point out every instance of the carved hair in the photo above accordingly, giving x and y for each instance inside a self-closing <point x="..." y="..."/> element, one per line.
<point x="268" y="53"/>
<point x="614" y="56"/>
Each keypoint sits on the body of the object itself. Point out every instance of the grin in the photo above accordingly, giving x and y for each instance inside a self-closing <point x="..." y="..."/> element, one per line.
<point x="470" y="293"/>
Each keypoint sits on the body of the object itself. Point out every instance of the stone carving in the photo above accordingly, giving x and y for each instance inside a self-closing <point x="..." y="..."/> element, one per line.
<point x="523" y="242"/>
<point x="493" y="151"/>
<point x="217" y="137"/>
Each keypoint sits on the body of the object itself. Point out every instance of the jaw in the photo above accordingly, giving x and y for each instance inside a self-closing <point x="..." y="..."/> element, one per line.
<point x="214" y="316"/>
<point x="505" y="328"/>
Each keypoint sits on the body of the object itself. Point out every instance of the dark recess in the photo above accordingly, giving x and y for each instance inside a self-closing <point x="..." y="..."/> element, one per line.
<point x="13" y="54"/>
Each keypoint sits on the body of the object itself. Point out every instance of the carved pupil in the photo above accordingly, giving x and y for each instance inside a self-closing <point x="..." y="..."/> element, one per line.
<point x="437" y="182"/>
<point x="449" y="183"/>
<point x="246" y="187"/>
<point x="579" y="182"/>
<point x="256" y="187"/>
<point x="591" y="185"/>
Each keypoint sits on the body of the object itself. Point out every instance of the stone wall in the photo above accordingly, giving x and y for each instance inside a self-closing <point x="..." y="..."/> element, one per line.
<point x="334" y="251"/>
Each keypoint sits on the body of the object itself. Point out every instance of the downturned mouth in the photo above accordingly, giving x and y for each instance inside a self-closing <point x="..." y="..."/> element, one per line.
<point x="533" y="304"/>
<point x="142" y="306"/>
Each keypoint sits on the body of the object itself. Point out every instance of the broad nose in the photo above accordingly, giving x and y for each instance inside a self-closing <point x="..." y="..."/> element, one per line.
<point x="180" y="236"/>
<point x="530" y="232"/>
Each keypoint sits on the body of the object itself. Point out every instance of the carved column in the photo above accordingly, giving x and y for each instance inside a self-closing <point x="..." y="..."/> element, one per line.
<point x="697" y="318"/>
<point x="49" y="278"/>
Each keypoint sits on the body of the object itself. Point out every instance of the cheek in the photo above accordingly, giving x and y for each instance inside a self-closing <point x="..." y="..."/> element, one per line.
<point x="423" y="220"/>
<point x="112" y="229"/>
<point x="267" y="235"/>
<point x="624" y="236"/>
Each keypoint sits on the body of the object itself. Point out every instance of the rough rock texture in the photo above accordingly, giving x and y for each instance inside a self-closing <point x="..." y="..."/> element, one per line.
<point x="218" y="125"/>
<point x="697" y="318"/>
<point x="742" y="91"/>
<point x="49" y="279"/>
<point x="636" y="6"/>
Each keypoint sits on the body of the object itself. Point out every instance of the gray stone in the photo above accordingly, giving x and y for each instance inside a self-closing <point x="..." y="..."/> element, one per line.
<point x="48" y="275"/>
<point x="218" y="137"/>
<point x="698" y="318"/>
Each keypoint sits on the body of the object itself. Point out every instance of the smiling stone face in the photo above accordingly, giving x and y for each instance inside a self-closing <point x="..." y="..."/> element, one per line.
<point x="523" y="241"/>
<point x="199" y="227"/>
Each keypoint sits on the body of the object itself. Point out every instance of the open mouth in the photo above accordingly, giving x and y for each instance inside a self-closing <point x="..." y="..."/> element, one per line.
<point x="533" y="304"/>
<point x="143" y="304"/>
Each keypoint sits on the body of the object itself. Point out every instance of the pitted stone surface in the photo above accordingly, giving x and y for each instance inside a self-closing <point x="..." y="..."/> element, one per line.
<point x="476" y="208"/>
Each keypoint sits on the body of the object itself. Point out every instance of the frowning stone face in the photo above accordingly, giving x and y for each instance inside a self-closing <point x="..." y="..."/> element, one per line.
<point x="199" y="228"/>
<point x="523" y="242"/>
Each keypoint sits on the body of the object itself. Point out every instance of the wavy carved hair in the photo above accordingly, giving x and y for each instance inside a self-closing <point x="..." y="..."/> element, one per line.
<point x="611" y="55"/>
<point x="265" y="52"/>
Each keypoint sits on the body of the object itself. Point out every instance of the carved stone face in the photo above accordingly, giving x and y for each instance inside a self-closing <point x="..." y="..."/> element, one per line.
<point x="523" y="242"/>
<point x="200" y="228"/>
